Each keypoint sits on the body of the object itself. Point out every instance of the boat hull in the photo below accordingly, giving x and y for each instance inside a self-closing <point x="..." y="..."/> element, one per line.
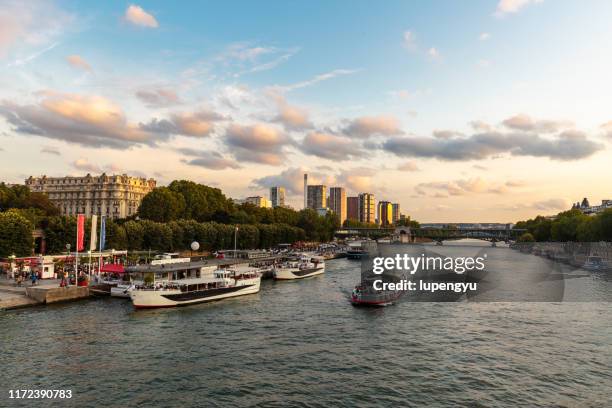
<point x="296" y="273"/>
<point x="120" y="291"/>
<point x="148" y="299"/>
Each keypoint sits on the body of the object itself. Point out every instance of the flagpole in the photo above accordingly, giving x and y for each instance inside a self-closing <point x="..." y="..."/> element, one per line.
<point x="76" y="256"/>
<point x="102" y="227"/>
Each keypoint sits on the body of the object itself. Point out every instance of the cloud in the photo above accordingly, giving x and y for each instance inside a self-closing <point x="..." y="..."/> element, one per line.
<point x="446" y="134"/>
<point x="30" y="23"/>
<point x="367" y="126"/>
<point x="402" y="94"/>
<point x="409" y="40"/>
<point x="483" y="63"/>
<point x="480" y="126"/>
<point x="566" y="146"/>
<point x="50" y="150"/>
<point x="552" y="204"/>
<point x="258" y="143"/>
<point x="158" y="98"/>
<point x="291" y="117"/>
<point x="137" y="16"/>
<point x="78" y="62"/>
<point x="197" y="124"/>
<point x="331" y="147"/>
<point x="484" y="36"/>
<point x="525" y="122"/>
<point x="512" y="6"/>
<point x="462" y="187"/>
<point x="433" y="52"/>
<point x="358" y="180"/>
<point x="318" y="78"/>
<point x="84" y="165"/>
<point x="292" y="179"/>
<point x="606" y="128"/>
<point x="408" y="166"/>
<point x="89" y="120"/>
<point x="209" y="160"/>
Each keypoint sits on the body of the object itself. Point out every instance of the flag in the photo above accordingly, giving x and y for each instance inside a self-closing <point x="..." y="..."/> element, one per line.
<point x="102" y="233"/>
<point x="80" y="245"/>
<point x="93" y="238"/>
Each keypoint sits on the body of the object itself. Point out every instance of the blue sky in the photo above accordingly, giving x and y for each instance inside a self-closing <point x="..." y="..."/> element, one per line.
<point x="437" y="104"/>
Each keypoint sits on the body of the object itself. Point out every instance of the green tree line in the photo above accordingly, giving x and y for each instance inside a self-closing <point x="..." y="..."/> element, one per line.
<point x="572" y="225"/>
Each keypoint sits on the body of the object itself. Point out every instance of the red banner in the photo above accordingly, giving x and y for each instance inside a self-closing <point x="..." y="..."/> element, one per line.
<point x="80" y="232"/>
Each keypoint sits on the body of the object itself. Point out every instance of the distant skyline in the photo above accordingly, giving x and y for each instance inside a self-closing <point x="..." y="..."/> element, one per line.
<point x="480" y="111"/>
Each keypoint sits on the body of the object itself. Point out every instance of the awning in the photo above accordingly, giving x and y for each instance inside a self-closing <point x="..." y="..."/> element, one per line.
<point x="112" y="268"/>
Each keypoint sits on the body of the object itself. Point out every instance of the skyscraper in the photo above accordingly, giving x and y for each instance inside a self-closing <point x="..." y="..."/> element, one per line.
<point x="337" y="202"/>
<point x="277" y="196"/>
<point x="367" y="208"/>
<point x="352" y="208"/>
<point x="305" y="190"/>
<point x="385" y="213"/>
<point x="395" y="213"/>
<point x="317" y="196"/>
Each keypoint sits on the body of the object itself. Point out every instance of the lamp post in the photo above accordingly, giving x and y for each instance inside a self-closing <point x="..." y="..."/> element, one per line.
<point x="235" y="239"/>
<point x="12" y="266"/>
<point x="195" y="245"/>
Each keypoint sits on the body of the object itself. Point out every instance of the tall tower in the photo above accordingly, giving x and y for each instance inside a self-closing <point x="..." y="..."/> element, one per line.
<point x="305" y="190"/>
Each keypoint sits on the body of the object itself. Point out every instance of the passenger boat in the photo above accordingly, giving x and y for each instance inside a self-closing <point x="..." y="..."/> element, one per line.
<point x="304" y="267"/>
<point x="595" y="263"/>
<point x="221" y="284"/>
<point x="365" y="295"/>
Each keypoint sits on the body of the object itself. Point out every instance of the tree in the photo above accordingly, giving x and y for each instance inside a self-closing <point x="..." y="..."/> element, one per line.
<point x="526" y="237"/>
<point x="162" y="205"/>
<point x="15" y="234"/>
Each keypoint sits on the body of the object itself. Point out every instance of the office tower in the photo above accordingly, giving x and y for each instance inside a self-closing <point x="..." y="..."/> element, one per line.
<point x="317" y="196"/>
<point x="385" y="213"/>
<point x="352" y="208"/>
<point x="305" y="190"/>
<point x="277" y="196"/>
<point x="337" y="202"/>
<point x="395" y="213"/>
<point x="367" y="208"/>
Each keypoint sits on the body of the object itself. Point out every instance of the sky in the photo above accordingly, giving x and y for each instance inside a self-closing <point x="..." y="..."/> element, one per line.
<point x="479" y="111"/>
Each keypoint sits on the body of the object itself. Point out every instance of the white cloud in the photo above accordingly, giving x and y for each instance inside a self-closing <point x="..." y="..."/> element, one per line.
<point x="433" y="52"/>
<point x="78" y="62"/>
<point x="137" y="16"/>
<point x="512" y="6"/>
<point x="484" y="36"/>
<point x="483" y="63"/>
<point x="409" y="40"/>
<point x="318" y="78"/>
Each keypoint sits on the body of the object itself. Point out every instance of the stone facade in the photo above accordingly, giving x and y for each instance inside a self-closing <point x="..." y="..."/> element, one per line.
<point x="116" y="196"/>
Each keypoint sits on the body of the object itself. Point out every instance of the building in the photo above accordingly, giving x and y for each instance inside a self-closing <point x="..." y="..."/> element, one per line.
<point x="337" y="202"/>
<point x="116" y="196"/>
<point x="385" y="213"/>
<point x="257" y="201"/>
<point x="396" y="214"/>
<point x="322" y="212"/>
<point x="587" y="208"/>
<point x="305" y="190"/>
<point x="367" y="208"/>
<point x="352" y="208"/>
<point x="316" y="196"/>
<point x="277" y="196"/>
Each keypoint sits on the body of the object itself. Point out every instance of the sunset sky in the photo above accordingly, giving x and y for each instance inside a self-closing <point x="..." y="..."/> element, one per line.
<point x="462" y="111"/>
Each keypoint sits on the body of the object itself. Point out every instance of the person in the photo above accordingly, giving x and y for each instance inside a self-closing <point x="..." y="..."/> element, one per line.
<point x="33" y="277"/>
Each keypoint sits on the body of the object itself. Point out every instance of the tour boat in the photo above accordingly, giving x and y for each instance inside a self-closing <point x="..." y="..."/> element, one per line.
<point x="304" y="267"/>
<point x="365" y="295"/>
<point x="221" y="284"/>
<point x="595" y="263"/>
<point x="122" y="289"/>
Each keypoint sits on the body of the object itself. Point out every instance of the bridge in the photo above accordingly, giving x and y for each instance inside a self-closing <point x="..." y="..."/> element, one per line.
<point x="435" y="234"/>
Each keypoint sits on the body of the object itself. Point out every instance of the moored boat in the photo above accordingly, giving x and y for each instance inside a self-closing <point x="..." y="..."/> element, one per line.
<point x="221" y="284"/>
<point x="304" y="267"/>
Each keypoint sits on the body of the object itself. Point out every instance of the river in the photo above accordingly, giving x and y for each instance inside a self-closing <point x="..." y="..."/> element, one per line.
<point x="302" y="344"/>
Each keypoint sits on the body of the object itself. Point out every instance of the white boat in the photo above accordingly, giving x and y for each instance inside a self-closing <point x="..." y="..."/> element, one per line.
<point x="122" y="289"/>
<point x="221" y="284"/>
<point x="595" y="263"/>
<point x="304" y="267"/>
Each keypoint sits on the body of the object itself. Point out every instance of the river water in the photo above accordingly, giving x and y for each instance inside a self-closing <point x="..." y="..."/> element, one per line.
<point x="302" y="344"/>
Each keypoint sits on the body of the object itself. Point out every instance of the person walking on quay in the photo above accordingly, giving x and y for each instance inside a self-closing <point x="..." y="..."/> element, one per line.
<point x="33" y="277"/>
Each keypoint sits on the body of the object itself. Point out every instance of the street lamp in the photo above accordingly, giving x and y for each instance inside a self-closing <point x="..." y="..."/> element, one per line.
<point x="235" y="239"/>
<point x="195" y="245"/>
<point x="68" y="249"/>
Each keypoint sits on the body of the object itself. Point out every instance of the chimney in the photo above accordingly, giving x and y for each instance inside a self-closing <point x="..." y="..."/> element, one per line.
<point x="305" y="190"/>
